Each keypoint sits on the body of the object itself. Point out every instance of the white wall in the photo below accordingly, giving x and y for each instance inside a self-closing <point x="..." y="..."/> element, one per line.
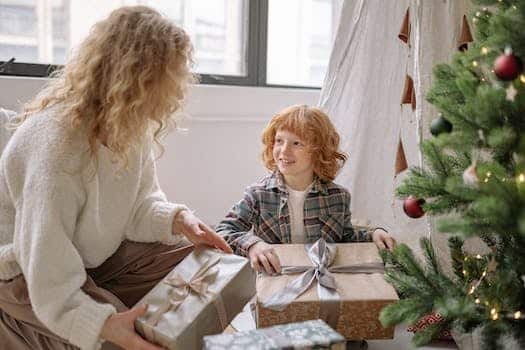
<point x="208" y="166"/>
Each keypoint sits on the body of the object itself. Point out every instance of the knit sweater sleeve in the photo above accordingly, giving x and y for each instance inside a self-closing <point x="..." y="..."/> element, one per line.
<point x="48" y="200"/>
<point x="152" y="219"/>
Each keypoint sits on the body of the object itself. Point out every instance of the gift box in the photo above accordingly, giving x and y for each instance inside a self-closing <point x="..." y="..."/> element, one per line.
<point x="427" y="321"/>
<point x="315" y="334"/>
<point x="200" y="296"/>
<point x="342" y="284"/>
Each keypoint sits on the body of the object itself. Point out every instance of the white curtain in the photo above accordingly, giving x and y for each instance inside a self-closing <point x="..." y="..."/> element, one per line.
<point x="362" y="93"/>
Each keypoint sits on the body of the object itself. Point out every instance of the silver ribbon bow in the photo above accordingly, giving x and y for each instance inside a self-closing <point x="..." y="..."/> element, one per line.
<point x="197" y="285"/>
<point x="322" y="256"/>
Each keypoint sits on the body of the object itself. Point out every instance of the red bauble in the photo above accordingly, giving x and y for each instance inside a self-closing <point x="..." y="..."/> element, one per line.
<point x="412" y="207"/>
<point x="507" y="66"/>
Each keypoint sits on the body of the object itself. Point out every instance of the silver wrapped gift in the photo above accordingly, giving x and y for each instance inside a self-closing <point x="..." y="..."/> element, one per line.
<point x="200" y="296"/>
<point x="315" y="334"/>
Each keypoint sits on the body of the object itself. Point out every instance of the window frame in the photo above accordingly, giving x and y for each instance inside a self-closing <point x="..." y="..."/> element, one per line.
<point x="256" y="57"/>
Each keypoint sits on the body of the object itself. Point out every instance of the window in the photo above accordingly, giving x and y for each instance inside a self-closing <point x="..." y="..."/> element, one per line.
<point x="300" y="34"/>
<point x="231" y="37"/>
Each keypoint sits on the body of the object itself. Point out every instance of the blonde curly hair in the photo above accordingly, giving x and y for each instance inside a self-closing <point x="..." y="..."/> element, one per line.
<point x="124" y="82"/>
<point x="315" y="128"/>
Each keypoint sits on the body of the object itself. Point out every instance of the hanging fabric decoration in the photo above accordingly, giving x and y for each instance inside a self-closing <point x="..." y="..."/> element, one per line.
<point x="404" y="32"/>
<point x="401" y="161"/>
<point x="409" y="94"/>
<point x="465" y="35"/>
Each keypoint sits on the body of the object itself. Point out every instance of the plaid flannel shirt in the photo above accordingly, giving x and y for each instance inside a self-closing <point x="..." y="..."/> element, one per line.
<point x="263" y="215"/>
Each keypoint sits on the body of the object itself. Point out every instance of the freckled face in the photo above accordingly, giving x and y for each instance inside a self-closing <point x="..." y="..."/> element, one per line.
<point x="292" y="156"/>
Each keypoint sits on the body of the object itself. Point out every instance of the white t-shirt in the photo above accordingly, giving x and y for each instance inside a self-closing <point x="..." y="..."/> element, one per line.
<point x="296" y="209"/>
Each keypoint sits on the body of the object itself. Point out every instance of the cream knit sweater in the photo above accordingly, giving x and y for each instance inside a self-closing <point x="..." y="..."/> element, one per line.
<point x="59" y="217"/>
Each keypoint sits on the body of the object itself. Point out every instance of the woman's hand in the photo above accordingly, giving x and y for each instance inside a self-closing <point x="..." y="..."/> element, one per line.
<point x="383" y="240"/>
<point x="197" y="232"/>
<point x="264" y="259"/>
<point x="119" y="329"/>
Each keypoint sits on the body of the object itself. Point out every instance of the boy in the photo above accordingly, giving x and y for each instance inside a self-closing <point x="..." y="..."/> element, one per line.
<point x="299" y="202"/>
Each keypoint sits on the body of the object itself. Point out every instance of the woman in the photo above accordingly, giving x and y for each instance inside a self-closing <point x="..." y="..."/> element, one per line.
<point x="80" y="205"/>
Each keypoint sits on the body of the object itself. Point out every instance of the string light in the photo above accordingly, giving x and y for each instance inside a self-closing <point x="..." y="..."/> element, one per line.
<point x="522" y="78"/>
<point x="494" y="317"/>
<point x="521" y="178"/>
<point x="484" y="50"/>
<point x="477" y="301"/>
<point x="517" y="315"/>
<point x="479" y="256"/>
<point x="475" y="63"/>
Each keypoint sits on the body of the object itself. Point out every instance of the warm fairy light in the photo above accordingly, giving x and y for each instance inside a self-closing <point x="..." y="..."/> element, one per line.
<point x="484" y="50"/>
<point x="522" y="78"/>
<point x="487" y="302"/>
<point x="472" y="289"/>
<point x="514" y="7"/>
<point x="494" y="317"/>
<point x="486" y="180"/>
<point x="493" y="311"/>
<point x="521" y="178"/>
<point x="465" y="272"/>
<point x="477" y="301"/>
<point x="475" y="63"/>
<point x="517" y="315"/>
<point x="478" y="256"/>
<point x="466" y="258"/>
<point x="489" y="173"/>
<point x="484" y="273"/>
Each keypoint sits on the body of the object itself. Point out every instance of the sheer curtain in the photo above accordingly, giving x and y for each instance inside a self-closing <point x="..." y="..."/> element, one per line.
<point x="362" y="94"/>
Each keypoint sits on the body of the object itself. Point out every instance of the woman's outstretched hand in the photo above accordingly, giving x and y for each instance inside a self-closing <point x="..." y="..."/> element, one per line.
<point x="198" y="232"/>
<point x="119" y="329"/>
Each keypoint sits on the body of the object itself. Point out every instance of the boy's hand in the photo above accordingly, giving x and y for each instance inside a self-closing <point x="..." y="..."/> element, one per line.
<point x="197" y="232"/>
<point x="264" y="259"/>
<point x="383" y="240"/>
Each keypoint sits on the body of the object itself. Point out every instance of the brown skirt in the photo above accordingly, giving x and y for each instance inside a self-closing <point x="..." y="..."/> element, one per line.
<point x="121" y="280"/>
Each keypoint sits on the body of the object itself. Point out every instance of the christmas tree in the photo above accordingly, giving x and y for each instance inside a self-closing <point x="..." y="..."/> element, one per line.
<point x="474" y="181"/>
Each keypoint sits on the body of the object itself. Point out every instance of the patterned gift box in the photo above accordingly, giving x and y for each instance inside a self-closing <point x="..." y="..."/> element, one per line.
<point x="357" y="278"/>
<point x="315" y="334"/>
<point x="200" y="296"/>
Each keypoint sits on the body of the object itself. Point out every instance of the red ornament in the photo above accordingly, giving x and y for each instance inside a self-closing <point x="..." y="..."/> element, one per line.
<point x="412" y="207"/>
<point x="507" y="66"/>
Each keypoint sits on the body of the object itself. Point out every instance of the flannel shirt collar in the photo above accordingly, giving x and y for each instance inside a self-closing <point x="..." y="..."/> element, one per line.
<point x="277" y="181"/>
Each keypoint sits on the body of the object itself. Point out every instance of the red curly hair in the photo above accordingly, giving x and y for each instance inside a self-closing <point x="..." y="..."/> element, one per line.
<point x="315" y="128"/>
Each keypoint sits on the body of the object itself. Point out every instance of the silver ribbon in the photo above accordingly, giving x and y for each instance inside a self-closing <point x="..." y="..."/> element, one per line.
<point x="322" y="256"/>
<point x="197" y="285"/>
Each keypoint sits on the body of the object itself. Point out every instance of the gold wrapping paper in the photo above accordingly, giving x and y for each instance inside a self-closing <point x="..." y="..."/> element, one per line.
<point x="362" y="295"/>
<point x="197" y="316"/>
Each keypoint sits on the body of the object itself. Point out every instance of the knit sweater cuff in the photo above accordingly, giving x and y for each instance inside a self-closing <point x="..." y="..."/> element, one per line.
<point x="87" y="325"/>
<point x="162" y="225"/>
<point x="9" y="268"/>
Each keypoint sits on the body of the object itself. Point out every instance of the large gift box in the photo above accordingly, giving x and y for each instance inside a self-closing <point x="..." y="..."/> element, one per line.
<point x="315" y="334"/>
<point x="200" y="296"/>
<point x="342" y="284"/>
